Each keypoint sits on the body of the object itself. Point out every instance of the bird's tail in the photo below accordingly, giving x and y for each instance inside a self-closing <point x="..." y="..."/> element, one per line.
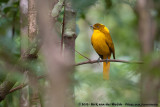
<point x="106" y="69"/>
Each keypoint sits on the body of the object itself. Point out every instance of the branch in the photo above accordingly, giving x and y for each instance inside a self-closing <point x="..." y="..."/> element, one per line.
<point x="86" y="62"/>
<point x="18" y="87"/>
<point x="82" y="55"/>
<point x="23" y="85"/>
<point x="109" y="60"/>
<point x="4" y="89"/>
<point x="62" y="29"/>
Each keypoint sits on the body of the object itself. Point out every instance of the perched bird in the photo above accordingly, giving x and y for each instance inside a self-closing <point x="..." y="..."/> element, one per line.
<point x="103" y="45"/>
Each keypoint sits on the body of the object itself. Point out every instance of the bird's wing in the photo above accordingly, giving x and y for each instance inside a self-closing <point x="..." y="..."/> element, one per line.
<point x="110" y="43"/>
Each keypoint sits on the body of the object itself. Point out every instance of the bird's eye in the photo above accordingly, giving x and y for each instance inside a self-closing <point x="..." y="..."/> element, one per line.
<point x="97" y="26"/>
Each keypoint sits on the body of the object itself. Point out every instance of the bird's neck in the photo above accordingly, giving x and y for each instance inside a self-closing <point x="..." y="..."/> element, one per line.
<point x="106" y="29"/>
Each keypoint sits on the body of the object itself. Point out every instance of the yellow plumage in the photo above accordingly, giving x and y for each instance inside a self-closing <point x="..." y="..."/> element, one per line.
<point x="103" y="45"/>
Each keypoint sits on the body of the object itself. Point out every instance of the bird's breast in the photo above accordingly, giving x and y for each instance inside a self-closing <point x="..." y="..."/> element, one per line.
<point x="98" y="40"/>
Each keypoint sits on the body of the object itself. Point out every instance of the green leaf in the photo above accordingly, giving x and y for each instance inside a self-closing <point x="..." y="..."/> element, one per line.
<point x="4" y="1"/>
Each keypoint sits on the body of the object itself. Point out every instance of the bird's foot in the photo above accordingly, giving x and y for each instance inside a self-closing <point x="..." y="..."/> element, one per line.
<point x="106" y="60"/>
<point x="98" y="60"/>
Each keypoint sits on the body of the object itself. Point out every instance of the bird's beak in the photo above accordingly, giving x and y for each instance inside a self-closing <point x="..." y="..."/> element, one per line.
<point x="91" y="26"/>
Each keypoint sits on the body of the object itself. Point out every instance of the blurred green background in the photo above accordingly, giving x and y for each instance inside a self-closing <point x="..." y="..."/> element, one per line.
<point x="120" y="18"/>
<point x="123" y="86"/>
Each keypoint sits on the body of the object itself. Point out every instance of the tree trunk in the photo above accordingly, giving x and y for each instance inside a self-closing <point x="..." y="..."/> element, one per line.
<point x="69" y="45"/>
<point x="32" y="35"/>
<point x="58" y="67"/>
<point x="24" y="93"/>
<point x="149" y="82"/>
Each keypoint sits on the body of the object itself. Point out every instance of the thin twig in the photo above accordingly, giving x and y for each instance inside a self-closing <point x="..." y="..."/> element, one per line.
<point x="63" y="28"/>
<point x="18" y="87"/>
<point x="109" y="60"/>
<point x="13" y="25"/>
<point x="42" y="76"/>
<point x="82" y="55"/>
<point x="23" y="85"/>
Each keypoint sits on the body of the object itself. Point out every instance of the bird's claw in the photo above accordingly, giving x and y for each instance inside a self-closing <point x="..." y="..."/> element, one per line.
<point x="106" y="60"/>
<point x="98" y="60"/>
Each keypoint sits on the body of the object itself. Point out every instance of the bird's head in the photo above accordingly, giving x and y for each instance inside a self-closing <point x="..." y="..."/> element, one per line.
<point x="98" y="26"/>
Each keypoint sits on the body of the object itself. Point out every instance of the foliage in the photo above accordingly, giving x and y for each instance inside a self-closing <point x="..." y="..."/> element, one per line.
<point x="118" y="15"/>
